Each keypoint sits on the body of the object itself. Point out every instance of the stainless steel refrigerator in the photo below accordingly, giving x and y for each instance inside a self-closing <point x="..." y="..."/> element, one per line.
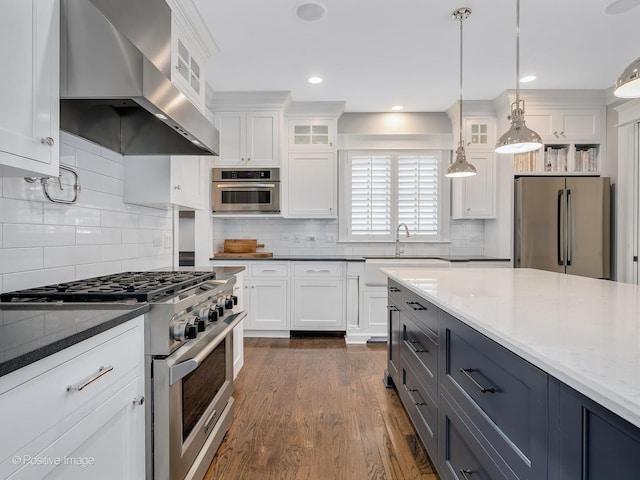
<point x="563" y="224"/>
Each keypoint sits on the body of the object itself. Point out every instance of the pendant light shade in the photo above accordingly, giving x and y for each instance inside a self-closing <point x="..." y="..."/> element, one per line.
<point x="628" y="84"/>
<point x="519" y="138"/>
<point x="460" y="167"/>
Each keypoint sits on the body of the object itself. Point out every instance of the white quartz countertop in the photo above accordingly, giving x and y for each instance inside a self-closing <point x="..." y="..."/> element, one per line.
<point x="583" y="331"/>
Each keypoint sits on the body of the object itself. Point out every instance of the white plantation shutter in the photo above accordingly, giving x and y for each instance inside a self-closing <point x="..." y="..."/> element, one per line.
<point x="418" y="192"/>
<point x="371" y="183"/>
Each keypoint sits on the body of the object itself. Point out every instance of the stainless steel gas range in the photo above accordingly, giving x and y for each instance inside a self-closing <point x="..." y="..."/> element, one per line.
<point x="188" y="358"/>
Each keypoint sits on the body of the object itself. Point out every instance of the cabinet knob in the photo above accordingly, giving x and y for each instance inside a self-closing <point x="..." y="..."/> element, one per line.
<point x="138" y="401"/>
<point x="248" y="159"/>
<point x="177" y="187"/>
<point x="49" y="141"/>
<point x="242" y="159"/>
<point x="562" y="134"/>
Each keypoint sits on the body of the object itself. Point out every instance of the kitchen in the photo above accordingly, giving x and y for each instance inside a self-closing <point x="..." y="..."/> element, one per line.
<point x="127" y="221"/>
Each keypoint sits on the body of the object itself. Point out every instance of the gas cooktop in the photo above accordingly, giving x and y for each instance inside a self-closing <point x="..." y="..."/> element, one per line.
<point x="128" y="286"/>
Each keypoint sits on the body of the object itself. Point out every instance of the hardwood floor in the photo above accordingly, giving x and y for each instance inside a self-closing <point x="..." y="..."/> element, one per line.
<point x="316" y="408"/>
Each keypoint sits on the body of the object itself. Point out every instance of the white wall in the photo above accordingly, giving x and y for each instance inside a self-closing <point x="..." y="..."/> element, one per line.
<point x="289" y="237"/>
<point x="43" y="243"/>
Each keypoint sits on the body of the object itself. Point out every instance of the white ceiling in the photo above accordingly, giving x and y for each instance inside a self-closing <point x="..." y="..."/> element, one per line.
<point x="377" y="53"/>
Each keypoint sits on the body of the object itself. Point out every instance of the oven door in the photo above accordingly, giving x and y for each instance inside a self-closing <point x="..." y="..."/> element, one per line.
<point x="245" y="197"/>
<point x="192" y="388"/>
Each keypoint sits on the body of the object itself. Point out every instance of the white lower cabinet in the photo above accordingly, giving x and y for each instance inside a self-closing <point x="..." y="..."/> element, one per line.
<point x="54" y="432"/>
<point x="268" y="301"/>
<point x="318" y="296"/>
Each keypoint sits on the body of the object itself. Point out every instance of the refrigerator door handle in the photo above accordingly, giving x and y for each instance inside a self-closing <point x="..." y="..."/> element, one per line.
<point x="570" y="228"/>
<point x="560" y="217"/>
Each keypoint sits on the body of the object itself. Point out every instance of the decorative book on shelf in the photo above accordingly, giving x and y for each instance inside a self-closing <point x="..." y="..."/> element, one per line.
<point x="559" y="159"/>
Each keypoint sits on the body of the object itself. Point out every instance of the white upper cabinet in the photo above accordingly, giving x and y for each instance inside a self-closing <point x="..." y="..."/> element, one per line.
<point x="565" y="125"/>
<point x="187" y="65"/>
<point x="166" y="180"/>
<point x="249" y="138"/>
<point x="312" y="134"/>
<point x="475" y="197"/>
<point x="312" y="185"/>
<point x="479" y="133"/>
<point x="29" y="88"/>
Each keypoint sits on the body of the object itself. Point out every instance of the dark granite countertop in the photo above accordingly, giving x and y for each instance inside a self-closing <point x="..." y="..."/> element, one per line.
<point x="30" y="334"/>
<point x="362" y="258"/>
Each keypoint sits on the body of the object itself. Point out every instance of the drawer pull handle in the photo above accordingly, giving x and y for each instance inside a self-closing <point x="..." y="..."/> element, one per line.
<point x="467" y="372"/>
<point x="318" y="270"/>
<point x="464" y="472"/>
<point x="394" y="289"/>
<point x="393" y="308"/>
<point x="419" y="307"/>
<point x="411" y="391"/>
<point x="416" y="349"/>
<point x="268" y="270"/>
<point x="101" y="372"/>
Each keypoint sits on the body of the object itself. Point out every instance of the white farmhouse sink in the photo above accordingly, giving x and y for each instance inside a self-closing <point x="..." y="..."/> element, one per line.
<point x="373" y="277"/>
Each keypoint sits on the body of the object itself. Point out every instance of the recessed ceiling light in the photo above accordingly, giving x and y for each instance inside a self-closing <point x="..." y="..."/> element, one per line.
<point x="397" y="108"/>
<point x="528" y="78"/>
<point x="161" y="116"/>
<point x="315" y="80"/>
<point x="311" y="11"/>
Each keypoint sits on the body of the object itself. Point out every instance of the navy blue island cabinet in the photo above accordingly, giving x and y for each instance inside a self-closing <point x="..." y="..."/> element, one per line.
<point x="483" y="412"/>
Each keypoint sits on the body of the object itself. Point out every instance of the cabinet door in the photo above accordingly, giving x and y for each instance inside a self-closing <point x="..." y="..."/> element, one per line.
<point x="187" y="186"/>
<point x="238" y="331"/>
<point x="268" y="302"/>
<point x="374" y="311"/>
<point x="474" y="197"/>
<point x="480" y="133"/>
<point x="570" y="125"/>
<point x="311" y="134"/>
<point x="29" y="88"/>
<point x="233" y="140"/>
<point x="312" y="185"/>
<point x="589" y="442"/>
<point x="262" y="139"/>
<point x="318" y="305"/>
<point x="187" y="71"/>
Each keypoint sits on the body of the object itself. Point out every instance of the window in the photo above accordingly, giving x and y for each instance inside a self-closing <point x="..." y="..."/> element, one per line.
<point x="382" y="189"/>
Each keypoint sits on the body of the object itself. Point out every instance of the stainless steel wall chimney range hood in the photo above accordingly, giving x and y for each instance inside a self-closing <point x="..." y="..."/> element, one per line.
<point x="115" y="86"/>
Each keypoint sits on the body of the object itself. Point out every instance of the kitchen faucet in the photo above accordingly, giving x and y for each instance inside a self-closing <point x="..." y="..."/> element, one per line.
<point x="399" y="249"/>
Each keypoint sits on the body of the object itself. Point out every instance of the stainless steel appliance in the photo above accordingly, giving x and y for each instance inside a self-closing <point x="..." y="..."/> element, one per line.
<point x="115" y="80"/>
<point x="245" y="190"/>
<point x="562" y="224"/>
<point x="188" y="359"/>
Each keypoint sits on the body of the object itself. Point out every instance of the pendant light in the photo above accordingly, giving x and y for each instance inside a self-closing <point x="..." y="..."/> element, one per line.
<point x="628" y="84"/>
<point x="519" y="138"/>
<point x="460" y="167"/>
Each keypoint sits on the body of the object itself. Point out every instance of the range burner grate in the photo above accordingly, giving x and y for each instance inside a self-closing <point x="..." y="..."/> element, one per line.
<point x="136" y="286"/>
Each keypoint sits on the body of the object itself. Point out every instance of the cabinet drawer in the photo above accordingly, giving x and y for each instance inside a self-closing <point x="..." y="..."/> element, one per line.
<point x="328" y="269"/>
<point x="48" y="400"/>
<point x="420" y="350"/>
<point x="462" y="456"/>
<point x="421" y="408"/>
<point x="424" y="312"/>
<point x="268" y="269"/>
<point x="505" y="396"/>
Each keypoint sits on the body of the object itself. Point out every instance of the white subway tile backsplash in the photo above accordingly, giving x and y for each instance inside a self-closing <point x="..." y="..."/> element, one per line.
<point x="26" y="235"/>
<point x="97" y="269"/>
<point x="73" y="255"/>
<point x="20" y="211"/>
<point x="37" y="278"/>
<point x="118" y="219"/>
<point x="43" y="242"/>
<point x="86" y="235"/>
<point x="109" y="253"/>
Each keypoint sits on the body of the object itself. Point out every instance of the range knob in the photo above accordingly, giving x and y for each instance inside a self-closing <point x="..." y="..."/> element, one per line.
<point x="213" y="314"/>
<point x="198" y="322"/>
<point x="228" y="304"/>
<point x="234" y="298"/>
<point x="220" y="311"/>
<point x="182" y="331"/>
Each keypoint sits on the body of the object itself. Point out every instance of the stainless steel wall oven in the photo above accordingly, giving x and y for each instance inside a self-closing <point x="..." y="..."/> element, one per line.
<point x="245" y="190"/>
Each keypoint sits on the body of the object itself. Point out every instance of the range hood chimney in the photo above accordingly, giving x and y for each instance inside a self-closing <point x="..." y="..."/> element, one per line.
<point x="115" y="88"/>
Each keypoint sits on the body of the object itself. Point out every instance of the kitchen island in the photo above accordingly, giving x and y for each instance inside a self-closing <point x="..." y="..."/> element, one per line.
<point x="518" y="372"/>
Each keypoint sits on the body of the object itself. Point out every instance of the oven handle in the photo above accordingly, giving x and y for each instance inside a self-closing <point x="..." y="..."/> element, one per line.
<point x="245" y="186"/>
<point x="182" y="369"/>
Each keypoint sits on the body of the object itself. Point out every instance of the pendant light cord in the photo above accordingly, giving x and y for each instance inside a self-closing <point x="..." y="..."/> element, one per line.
<point x="461" y="139"/>
<point x="517" y="52"/>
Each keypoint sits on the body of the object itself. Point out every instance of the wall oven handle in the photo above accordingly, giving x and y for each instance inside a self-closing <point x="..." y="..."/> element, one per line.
<point x="182" y="369"/>
<point x="245" y="186"/>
